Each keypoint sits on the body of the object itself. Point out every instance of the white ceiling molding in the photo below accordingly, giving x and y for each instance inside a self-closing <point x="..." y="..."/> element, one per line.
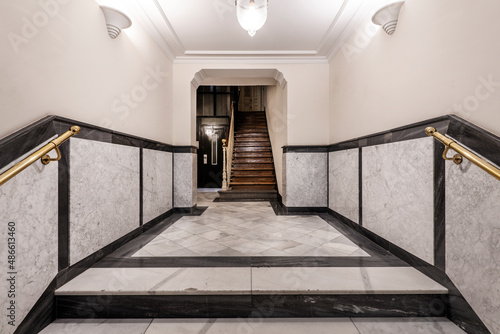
<point x="213" y="35"/>
<point x="364" y="11"/>
<point x="138" y="8"/>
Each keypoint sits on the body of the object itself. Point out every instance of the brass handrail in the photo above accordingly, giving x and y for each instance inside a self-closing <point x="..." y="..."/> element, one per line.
<point x="462" y="152"/>
<point x="40" y="154"/>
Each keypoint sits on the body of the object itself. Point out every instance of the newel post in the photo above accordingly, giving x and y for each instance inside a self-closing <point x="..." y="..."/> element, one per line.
<point x="224" y="167"/>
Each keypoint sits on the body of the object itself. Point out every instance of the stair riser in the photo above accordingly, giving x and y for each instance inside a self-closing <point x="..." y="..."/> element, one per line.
<point x="252" y="155"/>
<point x="255" y="187"/>
<point x="252" y="149"/>
<point x="269" y="173"/>
<point x="254" y="179"/>
<point x="253" y="161"/>
<point x="249" y="306"/>
<point x="251" y="135"/>
<point x="252" y="143"/>
<point x="252" y="166"/>
<point x="243" y="139"/>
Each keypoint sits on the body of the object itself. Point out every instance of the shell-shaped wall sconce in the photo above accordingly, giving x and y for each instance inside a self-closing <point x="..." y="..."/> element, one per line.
<point x="387" y="17"/>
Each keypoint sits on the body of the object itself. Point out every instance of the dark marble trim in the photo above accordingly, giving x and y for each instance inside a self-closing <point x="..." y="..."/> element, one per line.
<point x="141" y="187"/>
<point x="439" y="207"/>
<point x="407" y="132"/>
<point x="251" y="261"/>
<point x="41" y="314"/>
<point x="185" y="149"/>
<point x="193" y="211"/>
<point x="251" y="306"/>
<point x="63" y="192"/>
<point x="328" y="180"/>
<point x="479" y="140"/>
<point x="460" y="312"/>
<point x="360" y="186"/>
<point x="23" y="141"/>
<point x="305" y="149"/>
<point x="282" y="210"/>
<point x="97" y="133"/>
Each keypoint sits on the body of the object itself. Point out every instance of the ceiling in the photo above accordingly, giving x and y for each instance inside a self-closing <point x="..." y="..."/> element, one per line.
<point x="207" y="30"/>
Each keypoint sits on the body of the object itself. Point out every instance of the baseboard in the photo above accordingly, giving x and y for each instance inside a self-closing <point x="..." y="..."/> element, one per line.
<point x="193" y="211"/>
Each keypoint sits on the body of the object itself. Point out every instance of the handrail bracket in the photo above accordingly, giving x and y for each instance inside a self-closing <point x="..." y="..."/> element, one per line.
<point x="457" y="158"/>
<point x="46" y="159"/>
<point x="462" y="152"/>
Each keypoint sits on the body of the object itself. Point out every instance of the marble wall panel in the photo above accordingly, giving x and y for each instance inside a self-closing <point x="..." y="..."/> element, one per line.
<point x="30" y="201"/>
<point x="473" y="238"/>
<point x="104" y="195"/>
<point x="306" y="182"/>
<point x="398" y="192"/>
<point x="157" y="183"/>
<point x="185" y="180"/>
<point x="344" y="183"/>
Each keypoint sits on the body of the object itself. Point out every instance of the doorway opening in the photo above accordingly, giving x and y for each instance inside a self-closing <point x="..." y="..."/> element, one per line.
<point x="213" y="112"/>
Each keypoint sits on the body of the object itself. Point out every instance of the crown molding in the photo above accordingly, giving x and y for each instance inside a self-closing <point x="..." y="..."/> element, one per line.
<point x="151" y="15"/>
<point x="362" y="12"/>
<point x="251" y="60"/>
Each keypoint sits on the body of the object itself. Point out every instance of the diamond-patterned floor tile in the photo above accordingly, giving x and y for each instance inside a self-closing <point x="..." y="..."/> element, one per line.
<point x="248" y="229"/>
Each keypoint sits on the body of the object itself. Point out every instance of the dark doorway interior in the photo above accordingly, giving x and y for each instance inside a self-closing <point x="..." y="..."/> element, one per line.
<point x="213" y="110"/>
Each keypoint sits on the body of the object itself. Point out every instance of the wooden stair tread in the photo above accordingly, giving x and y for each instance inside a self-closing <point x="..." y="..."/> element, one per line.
<point x="251" y="183"/>
<point x="252" y="163"/>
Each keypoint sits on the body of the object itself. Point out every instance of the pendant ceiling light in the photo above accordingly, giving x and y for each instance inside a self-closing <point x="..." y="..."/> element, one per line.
<point x="251" y="14"/>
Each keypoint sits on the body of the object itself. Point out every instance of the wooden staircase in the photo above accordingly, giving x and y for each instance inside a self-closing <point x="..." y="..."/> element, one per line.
<point x="252" y="165"/>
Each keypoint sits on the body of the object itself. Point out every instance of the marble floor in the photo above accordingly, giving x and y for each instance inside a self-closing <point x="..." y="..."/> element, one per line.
<point x="248" y="229"/>
<point x="240" y="251"/>
<point x="260" y="325"/>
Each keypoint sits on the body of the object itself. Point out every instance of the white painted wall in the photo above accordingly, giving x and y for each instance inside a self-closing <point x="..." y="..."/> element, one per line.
<point x="58" y="59"/>
<point x="307" y="100"/>
<point x="276" y="111"/>
<point x="439" y="61"/>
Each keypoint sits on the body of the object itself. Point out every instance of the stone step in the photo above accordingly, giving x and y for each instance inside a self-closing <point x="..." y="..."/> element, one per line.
<point x="237" y="292"/>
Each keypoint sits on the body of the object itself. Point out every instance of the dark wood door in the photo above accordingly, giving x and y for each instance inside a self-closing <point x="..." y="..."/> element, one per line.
<point x="210" y="157"/>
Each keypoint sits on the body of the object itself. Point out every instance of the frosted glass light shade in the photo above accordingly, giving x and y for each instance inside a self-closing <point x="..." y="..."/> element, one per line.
<point x="251" y="14"/>
<point x="115" y="21"/>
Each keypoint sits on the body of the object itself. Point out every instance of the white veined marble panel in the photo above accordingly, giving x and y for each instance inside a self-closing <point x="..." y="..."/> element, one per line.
<point x="473" y="238"/>
<point x="30" y="201"/>
<point x="104" y="195"/>
<point x="344" y="183"/>
<point x="306" y="179"/>
<point x="398" y="194"/>
<point x="157" y="183"/>
<point x="185" y="180"/>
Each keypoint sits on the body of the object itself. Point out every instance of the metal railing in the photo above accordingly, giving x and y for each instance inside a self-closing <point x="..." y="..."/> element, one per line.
<point x="462" y="152"/>
<point x="39" y="154"/>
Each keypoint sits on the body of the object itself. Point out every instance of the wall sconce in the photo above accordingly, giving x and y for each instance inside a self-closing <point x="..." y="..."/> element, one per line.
<point x="115" y="21"/>
<point x="387" y="17"/>
<point x="251" y="14"/>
